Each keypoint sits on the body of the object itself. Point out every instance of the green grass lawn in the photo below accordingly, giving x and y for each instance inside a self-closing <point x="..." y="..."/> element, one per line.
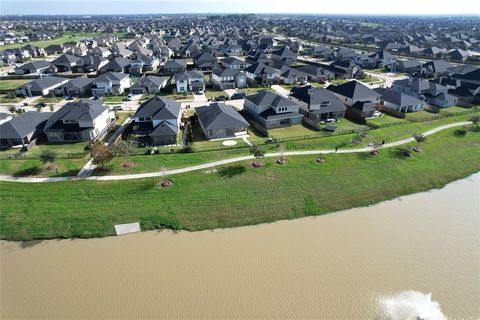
<point x="34" y="167"/>
<point x="113" y="99"/>
<point x="338" y="81"/>
<point x="12" y="83"/>
<point x="250" y="91"/>
<point x="4" y="98"/>
<point x="66" y="37"/>
<point x="48" y="99"/>
<point x="292" y="131"/>
<point x="234" y="195"/>
<point x="210" y="93"/>
<point x="386" y="119"/>
<point x="372" y="80"/>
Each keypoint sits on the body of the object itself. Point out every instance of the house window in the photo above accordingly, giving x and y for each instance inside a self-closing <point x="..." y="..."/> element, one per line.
<point x="141" y="119"/>
<point x="325" y="103"/>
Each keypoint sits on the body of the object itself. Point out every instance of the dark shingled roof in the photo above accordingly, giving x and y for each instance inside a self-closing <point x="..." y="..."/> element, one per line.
<point x="220" y="116"/>
<point x="314" y="96"/>
<point x="82" y="110"/>
<point x="24" y="124"/>
<point x="268" y="98"/>
<point x="158" y="108"/>
<point x="354" y="90"/>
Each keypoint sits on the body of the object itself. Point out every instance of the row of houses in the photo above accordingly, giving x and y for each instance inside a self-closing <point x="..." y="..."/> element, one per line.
<point x="84" y="120"/>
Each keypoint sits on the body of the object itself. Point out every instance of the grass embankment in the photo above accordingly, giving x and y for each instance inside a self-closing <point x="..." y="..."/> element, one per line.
<point x="236" y="194"/>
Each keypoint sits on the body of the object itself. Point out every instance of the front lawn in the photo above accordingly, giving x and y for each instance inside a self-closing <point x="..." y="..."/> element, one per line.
<point x="113" y="99"/>
<point x="12" y="84"/>
<point x="210" y="93"/>
<point x="48" y="99"/>
<point x="236" y="194"/>
<point x="5" y="98"/>
<point x="250" y="91"/>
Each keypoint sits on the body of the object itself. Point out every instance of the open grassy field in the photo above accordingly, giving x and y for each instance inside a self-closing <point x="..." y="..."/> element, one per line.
<point x="12" y="83"/>
<point x="66" y="37"/>
<point x="234" y="195"/>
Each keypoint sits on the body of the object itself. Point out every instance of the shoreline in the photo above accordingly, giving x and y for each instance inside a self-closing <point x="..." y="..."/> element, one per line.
<point x="26" y="244"/>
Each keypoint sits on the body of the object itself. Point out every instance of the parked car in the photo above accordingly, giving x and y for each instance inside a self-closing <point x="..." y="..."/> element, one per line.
<point x="238" y="95"/>
<point x="40" y="105"/>
<point x="117" y="108"/>
<point x="129" y="97"/>
<point x="68" y="98"/>
<point x="221" y="98"/>
<point x="200" y="92"/>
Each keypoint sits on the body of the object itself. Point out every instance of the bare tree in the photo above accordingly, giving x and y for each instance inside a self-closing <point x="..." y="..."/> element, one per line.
<point x="100" y="153"/>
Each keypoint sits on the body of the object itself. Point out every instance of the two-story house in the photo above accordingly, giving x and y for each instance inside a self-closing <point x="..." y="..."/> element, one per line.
<point x="262" y="74"/>
<point x="110" y="83"/>
<point x="189" y="81"/>
<point x="360" y="100"/>
<point x="228" y="79"/>
<point x="271" y="110"/>
<point x="233" y="63"/>
<point x="84" y="120"/>
<point x="158" y="121"/>
<point x="318" y="104"/>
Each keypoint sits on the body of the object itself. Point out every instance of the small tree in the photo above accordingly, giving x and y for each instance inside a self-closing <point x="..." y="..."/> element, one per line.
<point x="258" y="153"/>
<point x="420" y="138"/>
<point x="47" y="156"/>
<point x="475" y="120"/>
<point x="125" y="148"/>
<point x="100" y="153"/>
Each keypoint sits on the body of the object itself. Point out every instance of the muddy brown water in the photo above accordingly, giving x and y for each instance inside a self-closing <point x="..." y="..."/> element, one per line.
<point x="336" y="266"/>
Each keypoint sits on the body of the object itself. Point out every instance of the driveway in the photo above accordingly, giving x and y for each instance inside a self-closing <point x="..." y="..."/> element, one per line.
<point x="282" y="91"/>
<point x="200" y="98"/>
<point x="230" y="92"/>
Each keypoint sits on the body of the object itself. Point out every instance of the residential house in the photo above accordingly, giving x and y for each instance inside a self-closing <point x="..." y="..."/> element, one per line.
<point x="220" y="121"/>
<point x="434" y="93"/>
<point x="158" y="120"/>
<point x="205" y="61"/>
<point x="284" y="56"/>
<point x="22" y="130"/>
<point x="360" y="100"/>
<point x="55" y="49"/>
<point x="435" y="68"/>
<point x="228" y="79"/>
<point x="317" y="104"/>
<point x="144" y="64"/>
<point x="40" y="87"/>
<point x="233" y="63"/>
<point x="90" y="64"/>
<point x="399" y="101"/>
<point x="67" y="62"/>
<point x="316" y="74"/>
<point x="271" y="110"/>
<point x="118" y="64"/>
<point x="84" y="120"/>
<point x="77" y="87"/>
<point x="189" y="81"/>
<point x="457" y="54"/>
<point x="110" y="83"/>
<point x="174" y="66"/>
<point x="408" y="66"/>
<point x="148" y="84"/>
<point x="262" y="74"/>
<point x="35" y="67"/>
<point x="34" y="51"/>
<point x="290" y="75"/>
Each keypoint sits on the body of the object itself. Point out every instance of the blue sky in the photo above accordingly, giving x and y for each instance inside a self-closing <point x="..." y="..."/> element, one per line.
<point x="240" y="6"/>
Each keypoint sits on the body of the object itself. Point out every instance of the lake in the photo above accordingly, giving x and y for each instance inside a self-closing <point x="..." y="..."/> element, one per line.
<point x="417" y="255"/>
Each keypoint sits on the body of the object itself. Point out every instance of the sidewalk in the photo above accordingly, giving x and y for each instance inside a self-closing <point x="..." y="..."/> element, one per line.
<point x="219" y="162"/>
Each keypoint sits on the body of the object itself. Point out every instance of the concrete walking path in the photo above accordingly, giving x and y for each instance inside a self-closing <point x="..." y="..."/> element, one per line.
<point x="226" y="161"/>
